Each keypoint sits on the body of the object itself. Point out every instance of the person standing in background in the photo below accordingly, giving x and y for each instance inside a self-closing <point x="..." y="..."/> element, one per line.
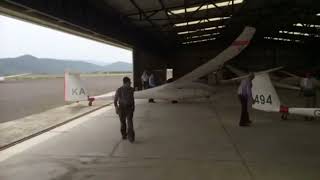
<point x="308" y="89"/>
<point x="152" y="80"/>
<point x="145" y="80"/>
<point x="152" y="84"/>
<point x="246" y="100"/>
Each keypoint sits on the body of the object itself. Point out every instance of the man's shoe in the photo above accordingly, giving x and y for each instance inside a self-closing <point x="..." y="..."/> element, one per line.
<point x="244" y="124"/>
<point x="131" y="139"/>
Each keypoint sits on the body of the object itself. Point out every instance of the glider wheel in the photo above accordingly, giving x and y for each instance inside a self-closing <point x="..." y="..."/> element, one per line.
<point x="284" y="116"/>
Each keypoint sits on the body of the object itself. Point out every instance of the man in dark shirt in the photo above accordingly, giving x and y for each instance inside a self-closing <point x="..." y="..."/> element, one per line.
<point x="245" y="97"/>
<point x="124" y="104"/>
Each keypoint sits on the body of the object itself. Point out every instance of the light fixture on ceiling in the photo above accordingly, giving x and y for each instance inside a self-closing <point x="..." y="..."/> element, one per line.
<point x="307" y="25"/>
<point x="203" y="35"/>
<point x="201" y="21"/>
<point x="203" y="29"/>
<point x="299" y="33"/>
<point x="203" y="7"/>
<point x="197" y="41"/>
<point x="282" y="39"/>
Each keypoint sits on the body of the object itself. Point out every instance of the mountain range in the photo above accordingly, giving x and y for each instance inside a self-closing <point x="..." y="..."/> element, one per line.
<point x="31" y="64"/>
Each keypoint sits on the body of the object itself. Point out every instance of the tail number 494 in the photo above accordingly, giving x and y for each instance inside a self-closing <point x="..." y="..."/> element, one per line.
<point x="262" y="99"/>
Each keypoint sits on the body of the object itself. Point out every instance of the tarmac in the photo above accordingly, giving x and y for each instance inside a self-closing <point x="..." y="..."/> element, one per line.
<point x="20" y="98"/>
<point x="188" y="140"/>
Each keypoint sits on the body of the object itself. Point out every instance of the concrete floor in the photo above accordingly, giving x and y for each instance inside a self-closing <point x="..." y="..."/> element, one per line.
<point x="175" y="141"/>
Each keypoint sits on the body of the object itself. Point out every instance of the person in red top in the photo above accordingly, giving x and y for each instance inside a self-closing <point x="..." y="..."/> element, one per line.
<point x="125" y="106"/>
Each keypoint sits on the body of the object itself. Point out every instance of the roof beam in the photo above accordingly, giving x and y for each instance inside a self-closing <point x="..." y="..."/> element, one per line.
<point x="143" y="13"/>
<point x="162" y="9"/>
<point x="166" y="10"/>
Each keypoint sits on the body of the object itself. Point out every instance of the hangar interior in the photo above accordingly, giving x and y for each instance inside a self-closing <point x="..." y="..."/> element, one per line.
<point x="183" y="34"/>
<point x="181" y="141"/>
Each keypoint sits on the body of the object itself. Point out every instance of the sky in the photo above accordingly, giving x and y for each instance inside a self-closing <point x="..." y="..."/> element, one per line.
<point x="18" y="38"/>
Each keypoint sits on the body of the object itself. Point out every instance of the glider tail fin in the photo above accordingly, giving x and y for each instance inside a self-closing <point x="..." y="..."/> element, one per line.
<point x="74" y="90"/>
<point x="264" y="94"/>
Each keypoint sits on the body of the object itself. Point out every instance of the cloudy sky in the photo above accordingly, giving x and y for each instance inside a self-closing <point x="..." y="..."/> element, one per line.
<point x="19" y="38"/>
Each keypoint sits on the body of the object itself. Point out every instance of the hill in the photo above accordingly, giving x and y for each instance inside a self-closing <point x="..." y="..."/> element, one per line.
<point x="31" y="64"/>
<point x="118" y="66"/>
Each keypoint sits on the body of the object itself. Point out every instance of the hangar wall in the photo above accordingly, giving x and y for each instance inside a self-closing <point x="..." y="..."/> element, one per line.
<point x="147" y="60"/>
<point x="187" y="59"/>
<point x="258" y="56"/>
<point x="295" y="57"/>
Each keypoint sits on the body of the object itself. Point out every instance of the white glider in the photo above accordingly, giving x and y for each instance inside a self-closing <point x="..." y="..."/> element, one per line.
<point x="266" y="99"/>
<point x="276" y="83"/>
<point x="3" y="78"/>
<point x="182" y="88"/>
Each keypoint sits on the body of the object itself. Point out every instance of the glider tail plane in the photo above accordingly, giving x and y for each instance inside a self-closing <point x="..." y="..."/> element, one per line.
<point x="74" y="90"/>
<point x="264" y="94"/>
<point x="266" y="99"/>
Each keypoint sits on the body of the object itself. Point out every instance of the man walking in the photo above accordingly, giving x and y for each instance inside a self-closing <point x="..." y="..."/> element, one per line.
<point x="124" y="104"/>
<point x="245" y="97"/>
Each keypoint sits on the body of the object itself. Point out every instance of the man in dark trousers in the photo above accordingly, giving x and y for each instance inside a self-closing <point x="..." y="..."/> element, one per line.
<point x="245" y="97"/>
<point x="124" y="104"/>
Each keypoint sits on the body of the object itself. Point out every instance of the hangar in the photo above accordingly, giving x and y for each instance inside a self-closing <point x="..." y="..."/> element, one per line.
<point x="165" y="34"/>
<point x="181" y="35"/>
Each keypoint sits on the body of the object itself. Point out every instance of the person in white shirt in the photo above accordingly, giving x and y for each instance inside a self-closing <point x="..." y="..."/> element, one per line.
<point x="246" y="100"/>
<point x="152" y="80"/>
<point x="308" y="88"/>
<point x="145" y="80"/>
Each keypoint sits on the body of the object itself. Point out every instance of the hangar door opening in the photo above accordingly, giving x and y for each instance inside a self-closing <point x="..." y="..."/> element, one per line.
<point x="33" y="60"/>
